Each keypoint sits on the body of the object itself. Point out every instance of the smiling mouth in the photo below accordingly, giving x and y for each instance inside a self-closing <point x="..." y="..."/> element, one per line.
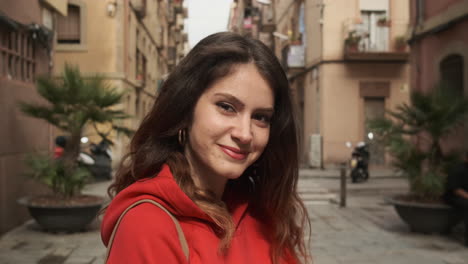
<point x="234" y="153"/>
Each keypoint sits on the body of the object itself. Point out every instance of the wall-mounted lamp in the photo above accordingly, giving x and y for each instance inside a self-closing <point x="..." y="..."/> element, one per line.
<point x="111" y="8"/>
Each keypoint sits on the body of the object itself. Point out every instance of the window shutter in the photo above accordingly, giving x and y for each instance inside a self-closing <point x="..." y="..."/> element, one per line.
<point x="68" y="28"/>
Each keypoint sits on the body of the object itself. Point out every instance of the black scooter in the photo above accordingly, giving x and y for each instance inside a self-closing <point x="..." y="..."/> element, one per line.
<point x="101" y="157"/>
<point x="359" y="163"/>
<point x="98" y="162"/>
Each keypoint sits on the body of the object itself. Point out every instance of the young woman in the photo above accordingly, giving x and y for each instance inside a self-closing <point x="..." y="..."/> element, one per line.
<point x="219" y="152"/>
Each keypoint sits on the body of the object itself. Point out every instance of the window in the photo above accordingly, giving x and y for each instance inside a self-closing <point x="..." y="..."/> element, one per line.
<point x="374" y="30"/>
<point x="451" y="73"/>
<point x="69" y="27"/>
<point x="17" y="55"/>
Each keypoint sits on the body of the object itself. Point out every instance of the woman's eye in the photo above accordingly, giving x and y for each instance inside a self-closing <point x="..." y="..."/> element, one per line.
<point x="226" y="107"/>
<point x="266" y="119"/>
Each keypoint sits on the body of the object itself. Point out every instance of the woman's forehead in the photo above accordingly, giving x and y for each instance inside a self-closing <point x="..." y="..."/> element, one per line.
<point x="243" y="82"/>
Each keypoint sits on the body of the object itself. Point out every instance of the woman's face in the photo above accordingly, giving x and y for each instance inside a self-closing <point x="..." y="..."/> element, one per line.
<point x="231" y="125"/>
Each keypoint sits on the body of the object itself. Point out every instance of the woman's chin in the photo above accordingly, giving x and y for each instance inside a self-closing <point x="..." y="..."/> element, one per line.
<point x="231" y="174"/>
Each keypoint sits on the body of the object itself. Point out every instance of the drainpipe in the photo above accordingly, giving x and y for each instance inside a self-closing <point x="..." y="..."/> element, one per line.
<point x="318" y="90"/>
<point x="126" y="33"/>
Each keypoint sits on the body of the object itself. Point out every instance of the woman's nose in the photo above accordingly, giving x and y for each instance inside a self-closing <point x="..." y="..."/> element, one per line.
<point x="242" y="132"/>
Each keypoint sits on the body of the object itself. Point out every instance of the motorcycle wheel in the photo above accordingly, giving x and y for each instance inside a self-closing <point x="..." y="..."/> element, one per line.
<point x="354" y="176"/>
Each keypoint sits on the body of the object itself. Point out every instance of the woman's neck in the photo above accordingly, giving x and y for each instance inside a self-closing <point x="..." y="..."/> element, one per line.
<point x="206" y="179"/>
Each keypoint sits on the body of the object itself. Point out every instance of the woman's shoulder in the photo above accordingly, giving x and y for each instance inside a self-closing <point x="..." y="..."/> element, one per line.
<point x="148" y="221"/>
<point x="143" y="229"/>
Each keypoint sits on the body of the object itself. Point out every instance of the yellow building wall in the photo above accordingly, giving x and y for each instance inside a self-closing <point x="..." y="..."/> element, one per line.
<point x="313" y="22"/>
<point x="333" y="107"/>
<point x="343" y="108"/>
<point x="335" y="15"/>
<point x="98" y="53"/>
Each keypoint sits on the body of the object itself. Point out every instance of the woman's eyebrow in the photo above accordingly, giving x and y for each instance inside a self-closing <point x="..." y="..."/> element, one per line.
<point x="231" y="98"/>
<point x="238" y="102"/>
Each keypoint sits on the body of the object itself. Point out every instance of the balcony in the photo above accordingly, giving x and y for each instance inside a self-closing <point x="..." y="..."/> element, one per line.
<point x="139" y="6"/>
<point x="171" y="14"/>
<point x="178" y="7"/>
<point x="362" y="52"/>
<point x="179" y="25"/>
<point x="267" y="19"/>
<point x="296" y="56"/>
<point x="171" y="55"/>
<point x="293" y="57"/>
<point x="385" y="56"/>
<point x="372" y="43"/>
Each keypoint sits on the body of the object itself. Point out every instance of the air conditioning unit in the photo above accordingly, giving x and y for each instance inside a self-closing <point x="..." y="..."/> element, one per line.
<point x="315" y="151"/>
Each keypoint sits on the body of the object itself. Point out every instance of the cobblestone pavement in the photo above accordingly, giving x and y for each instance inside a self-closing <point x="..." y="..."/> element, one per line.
<point x="366" y="231"/>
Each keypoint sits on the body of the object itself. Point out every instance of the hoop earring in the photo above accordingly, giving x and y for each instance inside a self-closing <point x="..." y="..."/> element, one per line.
<point x="182" y="137"/>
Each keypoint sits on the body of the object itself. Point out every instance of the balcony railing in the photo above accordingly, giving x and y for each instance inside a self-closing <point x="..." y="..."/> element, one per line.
<point x="171" y="14"/>
<point x="267" y="20"/>
<point x="171" y="55"/>
<point x="296" y="56"/>
<point x="179" y="22"/>
<point x="139" y="6"/>
<point x="361" y="45"/>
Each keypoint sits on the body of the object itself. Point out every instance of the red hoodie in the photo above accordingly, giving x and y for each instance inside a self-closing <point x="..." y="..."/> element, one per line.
<point x="147" y="235"/>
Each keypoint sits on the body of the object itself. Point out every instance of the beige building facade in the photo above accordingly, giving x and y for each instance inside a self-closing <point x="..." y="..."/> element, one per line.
<point x="347" y="62"/>
<point x="134" y="44"/>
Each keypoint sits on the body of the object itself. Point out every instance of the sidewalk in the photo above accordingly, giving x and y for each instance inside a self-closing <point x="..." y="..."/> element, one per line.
<point x="335" y="173"/>
<point x="348" y="236"/>
<point x="27" y="244"/>
<point x="367" y="231"/>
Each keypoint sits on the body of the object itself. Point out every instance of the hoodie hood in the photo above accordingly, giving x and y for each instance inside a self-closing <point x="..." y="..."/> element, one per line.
<point x="162" y="189"/>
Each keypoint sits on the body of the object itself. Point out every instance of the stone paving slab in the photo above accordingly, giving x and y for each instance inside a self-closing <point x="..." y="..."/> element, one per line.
<point x="29" y="244"/>
<point x="345" y="236"/>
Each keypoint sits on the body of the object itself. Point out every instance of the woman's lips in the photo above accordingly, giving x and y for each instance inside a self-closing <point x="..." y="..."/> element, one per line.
<point x="234" y="152"/>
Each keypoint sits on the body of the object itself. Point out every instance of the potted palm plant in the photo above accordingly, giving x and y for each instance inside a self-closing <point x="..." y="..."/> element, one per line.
<point x="73" y="103"/>
<point x="353" y="39"/>
<point x="413" y="136"/>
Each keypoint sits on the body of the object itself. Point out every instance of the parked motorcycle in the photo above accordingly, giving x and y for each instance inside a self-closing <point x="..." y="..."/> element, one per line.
<point x="101" y="156"/>
<point x="98" y="161"/>
<point x="359" y="162"/>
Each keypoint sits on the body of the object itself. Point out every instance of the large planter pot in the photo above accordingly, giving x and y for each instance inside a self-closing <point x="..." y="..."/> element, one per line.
<point x="63" y="217"/>
<point x="426" y="217"/>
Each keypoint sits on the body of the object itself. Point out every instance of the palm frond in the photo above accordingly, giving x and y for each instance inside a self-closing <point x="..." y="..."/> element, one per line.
<point x="124" y="130"/>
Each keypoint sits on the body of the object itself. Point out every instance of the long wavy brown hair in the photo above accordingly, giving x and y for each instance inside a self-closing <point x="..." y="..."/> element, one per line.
<point x="269" y="185"/>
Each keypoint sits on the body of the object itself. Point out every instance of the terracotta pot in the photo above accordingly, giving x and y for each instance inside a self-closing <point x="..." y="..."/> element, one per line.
<point x="352" y="48"/>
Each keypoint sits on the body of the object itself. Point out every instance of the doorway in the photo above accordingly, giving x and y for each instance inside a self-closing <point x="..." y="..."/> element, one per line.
<point x="374" y="107"/>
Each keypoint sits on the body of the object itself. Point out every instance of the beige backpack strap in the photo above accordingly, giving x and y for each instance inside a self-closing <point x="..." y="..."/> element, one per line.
<point x="180" y="233"/>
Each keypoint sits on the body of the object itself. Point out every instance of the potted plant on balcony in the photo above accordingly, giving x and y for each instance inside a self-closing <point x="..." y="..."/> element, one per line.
<point x="413" y="137"/>
<point x="72" y="103"/>
<point x="352" y="41"/>
<point x="400" y="43"/>
<point x="383" y="22"/>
